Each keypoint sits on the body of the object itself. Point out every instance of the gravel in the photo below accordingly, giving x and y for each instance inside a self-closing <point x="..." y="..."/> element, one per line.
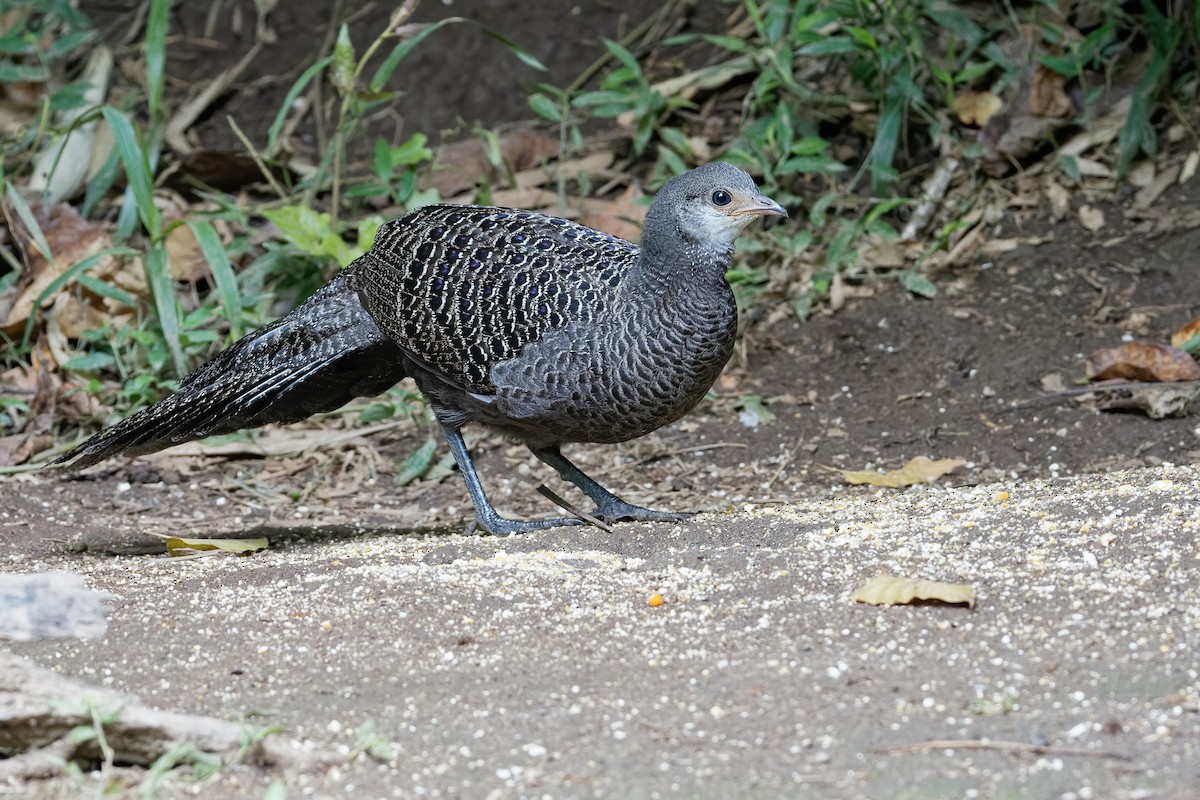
<point x="445" y="665"/>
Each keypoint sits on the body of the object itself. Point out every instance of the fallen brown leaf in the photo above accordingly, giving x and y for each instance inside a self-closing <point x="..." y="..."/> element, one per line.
<point x="975" y="108"/>
<point x="20" y="447"/>
<point x="184" y="256"/>
<point x="1141" y="174"/>
<point x="621" y="216"/>
<point x="1150" y="193"/>
<point x="71" y="239"/>
<point x="1047" y="95"/>
<point x="458" y="166"/>
<point x="1143" y="361"/>
<point x="1091" y="218"/>
<point x="1059" y="197"/>
<point x="1183" y="335"/>
<point x="1155" y="400"/>
<point x="890" y="590"/>
<point x="917" y="470"/>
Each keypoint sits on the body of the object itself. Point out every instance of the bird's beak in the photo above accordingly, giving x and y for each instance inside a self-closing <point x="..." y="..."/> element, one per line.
<point x="761" y="206"/>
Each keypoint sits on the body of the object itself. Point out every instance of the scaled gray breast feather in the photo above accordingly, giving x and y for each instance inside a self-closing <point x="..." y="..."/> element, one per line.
<point x="473" y="286"/>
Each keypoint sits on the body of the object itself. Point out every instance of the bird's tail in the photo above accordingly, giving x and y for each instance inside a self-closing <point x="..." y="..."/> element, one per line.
<point x="317" y="358"/>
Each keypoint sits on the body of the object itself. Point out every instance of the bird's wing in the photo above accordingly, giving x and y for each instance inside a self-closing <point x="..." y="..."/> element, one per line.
<point x="463" y="288"/>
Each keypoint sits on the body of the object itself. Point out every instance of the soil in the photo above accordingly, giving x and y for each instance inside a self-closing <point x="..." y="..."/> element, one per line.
<point x="888" y="377"/>
<point x="459" y="77"/>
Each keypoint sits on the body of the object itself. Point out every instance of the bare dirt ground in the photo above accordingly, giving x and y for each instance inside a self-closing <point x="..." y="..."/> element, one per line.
<point x="533" y="667"/>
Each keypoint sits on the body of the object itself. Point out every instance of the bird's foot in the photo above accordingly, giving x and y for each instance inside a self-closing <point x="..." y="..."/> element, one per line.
<point x="502" y="526"/>
<point x="617" y="510"/>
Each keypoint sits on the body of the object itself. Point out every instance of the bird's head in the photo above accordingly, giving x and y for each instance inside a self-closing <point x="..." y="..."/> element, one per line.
<point x="708" y="206"/>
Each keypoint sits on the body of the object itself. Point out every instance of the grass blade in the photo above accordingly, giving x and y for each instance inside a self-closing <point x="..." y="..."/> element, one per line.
<point x="97" y="188"/>
<point x="25" y="213"/>
<point x="104" y="289"/>
<point x="156" y="57"/>
<point x="137" y="170"/>
<point x="384" y="73"/>
<point x="222" y="272"/>
<point x="299" y="86"/>
<point x="523" y="55"/>
<point x="417" y="463"/>
<point x="158" y="277"/>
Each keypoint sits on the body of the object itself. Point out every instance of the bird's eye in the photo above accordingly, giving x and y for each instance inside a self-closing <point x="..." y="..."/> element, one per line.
<point x="721" y="198"/>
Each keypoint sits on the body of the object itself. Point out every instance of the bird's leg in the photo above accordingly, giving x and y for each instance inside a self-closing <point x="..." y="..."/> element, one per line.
<point x="485" y="512"/>
<point x="609" y="507"/>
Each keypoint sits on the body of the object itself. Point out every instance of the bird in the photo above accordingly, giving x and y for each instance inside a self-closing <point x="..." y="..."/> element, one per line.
<point x="541" y="328"/>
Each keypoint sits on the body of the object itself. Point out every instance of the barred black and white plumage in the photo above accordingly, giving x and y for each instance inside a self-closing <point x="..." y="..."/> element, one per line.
<point x="537" y="326"/>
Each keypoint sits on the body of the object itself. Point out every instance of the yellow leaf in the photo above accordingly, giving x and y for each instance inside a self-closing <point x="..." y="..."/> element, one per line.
<point x="1183" y="335"/>
<point x="888" y="590"/>
<point x="975" y="108"/>
<point x="917" y="470"/>
<point x="177" y="546"/>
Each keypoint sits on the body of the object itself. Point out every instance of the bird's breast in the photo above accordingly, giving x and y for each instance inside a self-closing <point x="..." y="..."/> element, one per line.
<point x="641" y="367"/>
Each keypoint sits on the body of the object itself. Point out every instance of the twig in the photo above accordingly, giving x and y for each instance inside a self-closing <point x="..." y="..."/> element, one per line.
<point x="1099" y="388"/>
<point x="189" y="112"/>
<point x="1008" y="747"/>
<point x="549" y="494"/>
<point x="316" y="91"/>
<point x="786" y="462"/>
<point x="262" y="167"/>
<point x="698" y="448"/>
<point x="935" y="190"/>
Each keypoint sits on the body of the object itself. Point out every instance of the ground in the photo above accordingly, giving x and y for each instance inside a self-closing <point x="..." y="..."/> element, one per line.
<point x="533" y="666"/>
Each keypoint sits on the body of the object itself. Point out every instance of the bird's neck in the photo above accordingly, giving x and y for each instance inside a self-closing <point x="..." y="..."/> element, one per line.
<point x="673" y="264"/>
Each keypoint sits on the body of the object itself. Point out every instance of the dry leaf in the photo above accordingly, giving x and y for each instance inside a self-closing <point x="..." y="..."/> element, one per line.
<point x="1155" y="400"/>
<point x="177" y="546"/>
<point x="889" y="590"/>
<point x="689" y="85"/>
<point x="72" y="317"/>
<point x="184" y="256"/>
<point x="975" y="108"/>
<point x="458" y="166"/>
<point x="1053" y="383"/>
<point x="61" y="169"/>
<point x="71" y="239"/>
<point x="20" y="447"/>
<point x="881" y="253"/>
<point x="1091" y="218"/>
<point x="1183" y="335"/>
<point x="1141" y="174"/>
<point x="1047" y="95"/>
<point x="1147" y="196"/>
<point x="1060" y="199"/>
<point x="620" y="217"/>
<point x="917" y="470"/>
<point x="65" y="230"/>
<point x="1143" y="361"/>
<point x="1190" y="165"/>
